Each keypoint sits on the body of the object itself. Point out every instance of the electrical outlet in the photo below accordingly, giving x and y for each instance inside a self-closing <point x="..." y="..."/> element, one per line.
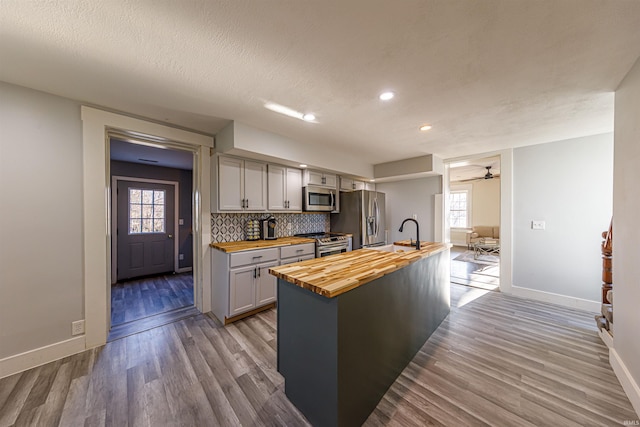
<point x="537" y="225"/>
<point x="181" y="221"/>
<point x="181" y="257"/>
<point x="289" y="228"/>
<point x="415" y="216"/>
<point x="77" y="327"/>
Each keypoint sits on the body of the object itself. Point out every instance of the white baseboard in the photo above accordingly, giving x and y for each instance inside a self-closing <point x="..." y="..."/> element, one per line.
<point x="629" y="385"/>
<point x="606" y="337"/>
<point x="30" y="359"/>
<point x="564" y="300"/>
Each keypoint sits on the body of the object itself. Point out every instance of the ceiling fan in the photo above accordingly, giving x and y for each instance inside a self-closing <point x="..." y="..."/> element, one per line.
<point x="488" y="175"/>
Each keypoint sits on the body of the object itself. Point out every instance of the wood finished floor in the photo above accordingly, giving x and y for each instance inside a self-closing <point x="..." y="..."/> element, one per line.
<point x="496" y="360"/>
<point x="136" y="299"/>
<point x="473" y="274"/>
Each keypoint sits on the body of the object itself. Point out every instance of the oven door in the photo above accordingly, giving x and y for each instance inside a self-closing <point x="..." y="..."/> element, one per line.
<point x="326" y="250"/>
<point x="319" y="199"/>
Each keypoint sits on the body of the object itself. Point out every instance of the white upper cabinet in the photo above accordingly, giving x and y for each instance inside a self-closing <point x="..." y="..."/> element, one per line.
<point x="294" y="189"/>
<point x="242" y="184"/>
<point x="285" y="188"/>
<point x="320" y="179"/>
<point x="231" y="183"/>
<point x="348" y="184"/>
<point x="255" y="185"/>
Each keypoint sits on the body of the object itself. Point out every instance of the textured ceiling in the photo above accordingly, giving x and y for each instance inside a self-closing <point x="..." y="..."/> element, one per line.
<point x="486" y="74"/>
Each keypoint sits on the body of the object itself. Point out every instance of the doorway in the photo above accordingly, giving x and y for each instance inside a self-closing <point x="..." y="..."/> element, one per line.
<point x="474" y="220"/>
<point x="151" y="219"/>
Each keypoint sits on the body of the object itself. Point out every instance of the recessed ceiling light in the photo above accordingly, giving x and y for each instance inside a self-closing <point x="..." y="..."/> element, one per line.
<point x="303" y="166"/>
<point x="425" y="127"/>
<point x="308" y="117"/>
<point x="385" y="96"/>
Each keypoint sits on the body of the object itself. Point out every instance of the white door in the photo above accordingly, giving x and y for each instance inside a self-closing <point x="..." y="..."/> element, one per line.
<point x="266" y="284"/>
<point x="255" y="185"/>
<point x="230" y="176"/>
<point x="145" y="229"/>
<point x="277" y="187"/>
<point x="294" y="189"/>
<point x="242" y="290"/>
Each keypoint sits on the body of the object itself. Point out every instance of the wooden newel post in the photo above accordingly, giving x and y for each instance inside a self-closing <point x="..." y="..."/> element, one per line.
<point x="607" y="278"/>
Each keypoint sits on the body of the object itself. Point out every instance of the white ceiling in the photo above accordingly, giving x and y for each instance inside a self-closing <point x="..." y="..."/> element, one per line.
<point x="472" y="169"/>
<point x="486" y="74"/>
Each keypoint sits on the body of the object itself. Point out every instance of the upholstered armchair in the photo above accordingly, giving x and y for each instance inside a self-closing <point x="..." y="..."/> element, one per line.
<point x="482" y="232"/>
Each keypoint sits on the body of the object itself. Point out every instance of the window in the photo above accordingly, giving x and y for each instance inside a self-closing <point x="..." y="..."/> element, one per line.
<point x="146" y="211"/>
<point x="459" y="209"/>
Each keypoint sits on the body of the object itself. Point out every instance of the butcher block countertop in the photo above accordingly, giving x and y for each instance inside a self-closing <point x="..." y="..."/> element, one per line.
<point x="247" y="245"/>
<point x="336" y="274"/>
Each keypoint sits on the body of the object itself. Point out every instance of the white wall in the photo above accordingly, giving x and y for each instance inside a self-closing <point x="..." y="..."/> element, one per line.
<point x="41" y="216"/>
<point x="485" y="206"/>
<point x="408" y="197"/>
<point x="569" y="185"/>
<point x="626" y="235"/>
<point x="486" y="202"/>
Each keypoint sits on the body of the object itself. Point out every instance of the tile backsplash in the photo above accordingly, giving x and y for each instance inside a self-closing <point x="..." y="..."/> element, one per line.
<point x="230" y="227"/>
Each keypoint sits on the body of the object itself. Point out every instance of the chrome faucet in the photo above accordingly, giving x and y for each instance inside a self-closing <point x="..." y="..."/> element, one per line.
<point x="417" y="231"/>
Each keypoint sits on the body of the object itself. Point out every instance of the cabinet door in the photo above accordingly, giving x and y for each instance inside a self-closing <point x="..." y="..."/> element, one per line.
<point x="255" y="185"/>
<point x="359" y="185"/>
<point x="230" y="182"/>
<point x="312" y="178"/>
<point x="371" y="186"/>
<point x="294" y="189"/>
<point x="277" y="187"/>
<point x="346" y="184"/>
<point x="330" y="181"/>
<point x="242" y="290"/>
<point x="266" y="284"/>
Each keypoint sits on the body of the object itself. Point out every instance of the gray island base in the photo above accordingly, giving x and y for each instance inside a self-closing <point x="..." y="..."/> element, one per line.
<point x="340" y="355"/>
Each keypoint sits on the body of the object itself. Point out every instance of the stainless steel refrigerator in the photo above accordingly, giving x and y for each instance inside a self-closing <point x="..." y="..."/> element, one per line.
<point x="362" y="213"/>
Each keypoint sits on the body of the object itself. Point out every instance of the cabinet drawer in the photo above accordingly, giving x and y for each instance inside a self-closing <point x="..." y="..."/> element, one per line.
<point x="285" y="261"/>
<point x="253" y="257"/>
<point x="297" y="250"/>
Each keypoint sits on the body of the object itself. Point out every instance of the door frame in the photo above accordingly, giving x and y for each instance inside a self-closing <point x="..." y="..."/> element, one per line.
<point x="114" y="222"/>
<point x="506" y="211"/>
<point x="96" y="128"/>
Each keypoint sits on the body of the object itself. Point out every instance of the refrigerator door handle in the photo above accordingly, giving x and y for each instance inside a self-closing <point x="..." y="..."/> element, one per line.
<point x="377" y="208"/>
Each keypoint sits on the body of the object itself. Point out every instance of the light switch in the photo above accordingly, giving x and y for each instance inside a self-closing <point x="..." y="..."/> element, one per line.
<point x="537" y="225"/>
<point x="181" y="221"/>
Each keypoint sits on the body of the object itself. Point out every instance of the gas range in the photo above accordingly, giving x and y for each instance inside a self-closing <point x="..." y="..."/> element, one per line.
<point x="323" y="238"/>
<point x="328" y="243"/>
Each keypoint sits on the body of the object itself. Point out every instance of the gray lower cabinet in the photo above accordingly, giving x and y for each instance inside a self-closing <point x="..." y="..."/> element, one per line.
<point x="297" y="253"/>
<point x="251" y="287"/>
<point x="241" y="281"/>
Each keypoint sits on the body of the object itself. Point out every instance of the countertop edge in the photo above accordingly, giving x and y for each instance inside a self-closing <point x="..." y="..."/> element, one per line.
<point x="402" y="260"/>
<point x="259" y="244"/>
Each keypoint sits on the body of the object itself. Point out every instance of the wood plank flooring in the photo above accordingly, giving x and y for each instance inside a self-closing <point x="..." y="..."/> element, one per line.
<point x="484" y="276"/>
<point x="135" y="299"/>
<point x="496" y="360"/>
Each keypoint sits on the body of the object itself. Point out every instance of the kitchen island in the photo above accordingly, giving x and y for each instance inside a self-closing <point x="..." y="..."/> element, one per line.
<point x="348" y="324"/>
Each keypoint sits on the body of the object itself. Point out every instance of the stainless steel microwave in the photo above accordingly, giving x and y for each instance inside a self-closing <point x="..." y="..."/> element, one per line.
<point x="319" y="199"/>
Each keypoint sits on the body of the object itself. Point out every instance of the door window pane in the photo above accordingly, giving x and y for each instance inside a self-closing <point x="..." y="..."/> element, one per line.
<point x="146" y="211"/>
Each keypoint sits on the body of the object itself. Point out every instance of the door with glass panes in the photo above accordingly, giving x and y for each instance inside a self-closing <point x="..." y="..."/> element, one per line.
<point x="145" y="232"/>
